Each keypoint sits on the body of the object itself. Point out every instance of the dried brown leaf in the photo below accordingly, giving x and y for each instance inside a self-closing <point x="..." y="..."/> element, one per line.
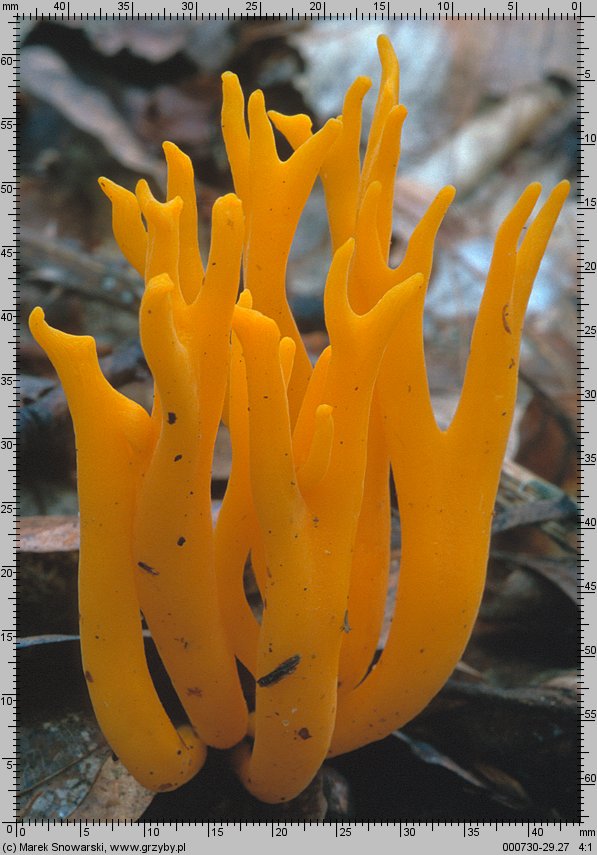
<point x="548" y="444"/>
<point x="59" y="760"/>
<point x="506" y="788"/>
<point x="45" y="75"/>
<point x="561" y="571"/>
<point x="49" y="534"/>
<point x="566" y="680"/>
<point x="209" y="44"/>
<point x="170" y="113"/>
<point x="475" y="150"/>
<point x="532" y="512"/>
<point x="428" y="754"/>
<point x="115" y="795"/>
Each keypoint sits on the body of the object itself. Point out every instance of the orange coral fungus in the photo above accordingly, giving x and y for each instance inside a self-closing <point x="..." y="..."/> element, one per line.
<point x="308" y="495"/>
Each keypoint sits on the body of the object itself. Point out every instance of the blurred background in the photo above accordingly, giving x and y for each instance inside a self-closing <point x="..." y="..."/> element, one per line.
<point x="492" y="107"/>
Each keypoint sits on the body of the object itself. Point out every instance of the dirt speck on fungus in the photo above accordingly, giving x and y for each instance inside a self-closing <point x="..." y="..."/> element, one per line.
<point x="288" y="666"/>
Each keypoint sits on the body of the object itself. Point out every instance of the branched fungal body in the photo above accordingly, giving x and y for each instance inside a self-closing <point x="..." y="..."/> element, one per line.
<point x="308" y="495"/>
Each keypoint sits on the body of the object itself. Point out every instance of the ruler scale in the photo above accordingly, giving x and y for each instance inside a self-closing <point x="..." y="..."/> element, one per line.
<point x="581" y="836"/>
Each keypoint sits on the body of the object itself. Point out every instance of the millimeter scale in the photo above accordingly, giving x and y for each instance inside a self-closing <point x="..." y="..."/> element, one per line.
<point x="409" y="837"/>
